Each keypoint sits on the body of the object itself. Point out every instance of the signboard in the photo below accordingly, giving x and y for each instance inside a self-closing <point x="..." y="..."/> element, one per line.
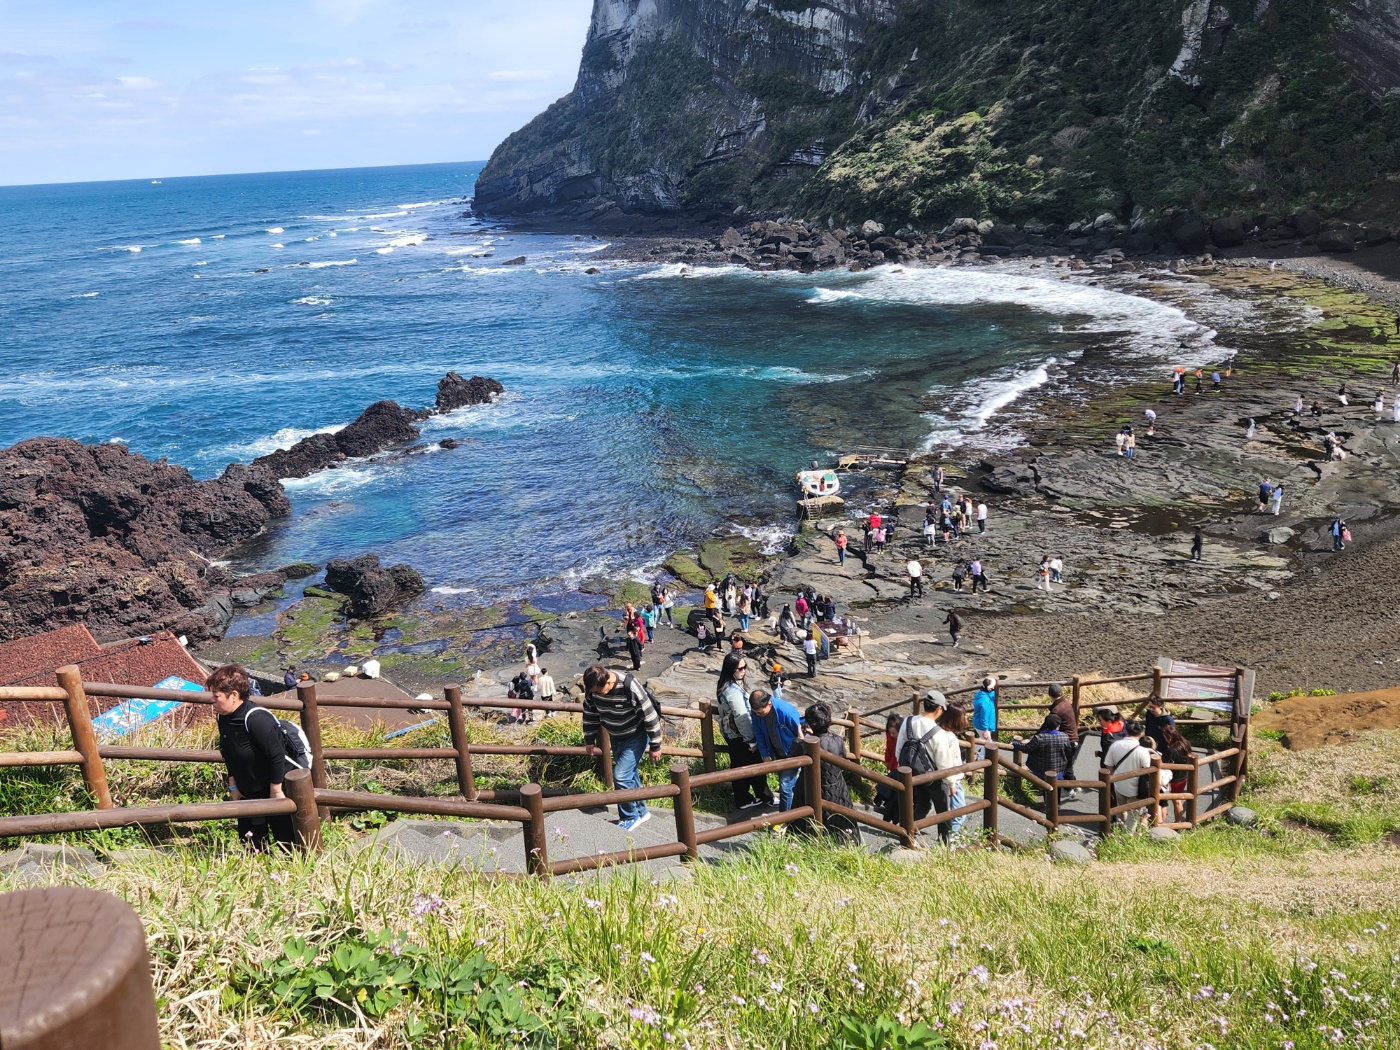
<point x="1214" y="693"/>
<point x="133" y="714"/>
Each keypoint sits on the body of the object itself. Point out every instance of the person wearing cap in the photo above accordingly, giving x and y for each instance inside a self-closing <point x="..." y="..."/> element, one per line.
<point x="984" y="713"/>
<point x="923" y="729"/>
<point x="1049" y="752"/>
<point x="1129" y="753"/>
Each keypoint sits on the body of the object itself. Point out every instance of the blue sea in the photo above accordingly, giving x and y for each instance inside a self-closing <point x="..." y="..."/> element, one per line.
<point x="648" y="406"/>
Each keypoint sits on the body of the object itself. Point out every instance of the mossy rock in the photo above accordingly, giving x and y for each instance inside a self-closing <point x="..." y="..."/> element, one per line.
<point x="323" y="592"/>
<point x="685" y="568"/>
<point x="634" y="591"/>
<point x="300" y="570"/>
<point x="718" y="557"/>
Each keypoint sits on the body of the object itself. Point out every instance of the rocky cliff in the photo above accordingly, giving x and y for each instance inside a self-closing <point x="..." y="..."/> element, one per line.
<point x="916" y="112"/>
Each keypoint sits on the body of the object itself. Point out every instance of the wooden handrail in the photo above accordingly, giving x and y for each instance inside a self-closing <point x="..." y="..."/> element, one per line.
<point x="46" y="694"/>
<point x="758" y="769"/>
<point x="944" y="774"/>
<point x="624" y="856"/>
<point x="11" y="759"/>
<point x="743" y="827"/>
<point x="440" y="807"/>
<point x="855" y="767"/>
<point x="611" y="798"/>
<point x="99" y="819"/>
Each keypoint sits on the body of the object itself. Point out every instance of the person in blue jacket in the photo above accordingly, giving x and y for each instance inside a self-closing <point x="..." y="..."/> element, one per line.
<point x="777" y="731"/>
<point x="984" y="713"/>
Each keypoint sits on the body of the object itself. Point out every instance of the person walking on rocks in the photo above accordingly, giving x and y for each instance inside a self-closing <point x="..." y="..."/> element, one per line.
<point x="547" y="690"/>
<point x="1044" y="573"/>
<point x="635" y="632"/>
<point x="1151" y="422"/>
<point x="1215" y="381"/>
<point x="803" y="610"/>
<point x="1298" y="406"/>
<point x="787" y="625"/>
<point x="841" y="543"/>
<point x="1341" y="535"/>
<point x="955" y="625"/>
<point x="981" y="518"/>
<point x="979" y="575"/>
<point x="1057" y="569"/>
<point x="1200" y="389"/>
<point x="622" y="705"/>
<point x="1197" y="543"/>
<point x="916" y="577"/>
<point x="255" y="754"/>
<point x="777" y="731"/>
<point x="1266" y="493"/>
<point x="931" y="526"/>
<point x="984" y="713"/>
<point x="940" y="475"/>
<point x="1120" y="439"/>
<point x="1395" y="368"/>
<point x="809" y="649"/>
<point x="744" y="606"/>
<point x="959" y="574"/>
<point x="1276" y="500"/>
<point x="736" y="726"/>
<point x="1129" y="444"/>
<point x="1395" y="409"/>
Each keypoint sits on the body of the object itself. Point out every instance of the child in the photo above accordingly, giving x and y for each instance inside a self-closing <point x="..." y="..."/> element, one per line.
<point x="809" y="647"/>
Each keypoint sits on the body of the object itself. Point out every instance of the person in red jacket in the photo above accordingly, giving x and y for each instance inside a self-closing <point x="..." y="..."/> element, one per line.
<point x="885" y="799"/>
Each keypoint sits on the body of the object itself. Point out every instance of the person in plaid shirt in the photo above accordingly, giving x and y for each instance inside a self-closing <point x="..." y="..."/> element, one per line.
<point x="1048" y="752"/>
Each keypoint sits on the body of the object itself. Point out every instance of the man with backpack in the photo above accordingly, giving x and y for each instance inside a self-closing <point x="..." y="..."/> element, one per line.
<point x="632" y="717"/>
<point x="1128" y="754"/>
<point x="258" y="749"/>
<point x="916" y="748"/>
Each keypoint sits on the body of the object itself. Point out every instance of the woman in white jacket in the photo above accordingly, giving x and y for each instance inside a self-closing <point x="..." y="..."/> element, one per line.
<point x="736" y="725"/>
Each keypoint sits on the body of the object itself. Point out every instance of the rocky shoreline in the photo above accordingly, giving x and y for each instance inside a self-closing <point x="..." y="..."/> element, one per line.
<point x="1123" y="527"/>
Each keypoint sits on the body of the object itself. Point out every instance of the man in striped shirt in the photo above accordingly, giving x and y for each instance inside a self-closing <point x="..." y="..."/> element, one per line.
<point x="622" y="705"/>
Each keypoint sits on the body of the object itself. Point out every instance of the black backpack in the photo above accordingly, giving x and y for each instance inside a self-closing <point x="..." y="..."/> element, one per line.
<point x="913" y="754"/>
<point x="294" y="742"/>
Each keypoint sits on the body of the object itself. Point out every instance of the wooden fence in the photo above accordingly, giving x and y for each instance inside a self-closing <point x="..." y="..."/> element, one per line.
<point x="311" y="801"/>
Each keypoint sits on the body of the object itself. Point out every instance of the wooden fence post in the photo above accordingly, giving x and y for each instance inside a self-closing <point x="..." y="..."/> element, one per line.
<point x="1074" y="690"/>
<point x="1157" y="680"/>
<point x="536" y="850"/>
<point x="990" y="792"/>
<point x="605" y="758"/>
<point x="906" y="805"/>
<point x="1239" y="724"/>
<point x="70" y="679"/>
<point x="298" y="786"/>
<point x="1106" y="800"/>
<point x="457" y="724"/>
<point x="1052" y="801"/>
<point x="1193" y="785"/>
<point x="813" y="780"/>
<point x="853" y="734"/>
<point x="707" y="736"/>
<point x="311" y="726"/>
<point x="685" y="810"/>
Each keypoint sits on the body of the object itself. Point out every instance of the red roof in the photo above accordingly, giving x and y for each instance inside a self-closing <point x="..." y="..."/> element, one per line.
<point x="139" y="662"/>
<point x="44" y="653"/>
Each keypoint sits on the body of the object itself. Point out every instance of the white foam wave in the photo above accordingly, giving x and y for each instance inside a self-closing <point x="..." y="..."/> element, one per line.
<point x="310" y="238"/>
<point x="384" y="215"/>
<point x="85" y="295"/>
<point x="191" y="240"/>
<point x="972" y="406"/>
<point x="769" y="539"/>
<point x="670" y="270"/>
<point x="384" y="251"/>
<point x="202" y="262"/>
<point x="134" y="249"/>
<point x="333" y="262"/>
<point x="284" y="438"/>
<point x="279" y="246"/>
<point x="453" y="590"/>
<point x="116" y="441"/>
<point x="330" y="482"/>
<point x="833" y="295"/>
<point x="274" y="229"/>
<point x="313" y="300"/>
<point x="421" y="204"/>
<point x="217" y="237"/>
<point x="408" y="240"/>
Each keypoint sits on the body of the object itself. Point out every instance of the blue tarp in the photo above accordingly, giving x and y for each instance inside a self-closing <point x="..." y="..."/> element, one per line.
<point x="133" y="714"/>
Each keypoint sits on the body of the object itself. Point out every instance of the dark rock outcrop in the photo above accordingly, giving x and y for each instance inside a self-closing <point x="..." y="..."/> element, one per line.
<point x="455" y="392"/>
<point x="96" y="534"/>
<point x="371" y="589"/>
<point x="383" y="425"/>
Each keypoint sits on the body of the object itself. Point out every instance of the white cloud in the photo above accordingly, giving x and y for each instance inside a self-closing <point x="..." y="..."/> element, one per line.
<point x="520" y="76"/>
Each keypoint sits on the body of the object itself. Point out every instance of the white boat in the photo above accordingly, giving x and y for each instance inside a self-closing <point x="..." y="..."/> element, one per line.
<point x="819" y="482"/>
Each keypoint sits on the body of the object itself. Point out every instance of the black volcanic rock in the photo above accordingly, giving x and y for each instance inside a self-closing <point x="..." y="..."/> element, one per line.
<point x="371" y="589"/>
<point x="306" y="457"/>
<point x="455" y="392"/>
<point x="96" y="534"/>
<point x="382" y="425"/>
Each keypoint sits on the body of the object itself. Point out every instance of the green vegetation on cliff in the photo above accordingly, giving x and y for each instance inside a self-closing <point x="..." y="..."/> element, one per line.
<point x="1059" y="109"/>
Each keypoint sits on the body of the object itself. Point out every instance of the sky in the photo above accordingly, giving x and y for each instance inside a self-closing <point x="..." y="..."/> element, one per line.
<point x="92" y="90"/>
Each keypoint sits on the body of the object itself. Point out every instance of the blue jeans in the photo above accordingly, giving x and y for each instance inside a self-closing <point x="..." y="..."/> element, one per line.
<point x="841" y="555"/>
<point x="787" y="781"/>
<point x="743" y="621"/>
<point x="627" y="761"/>
<point x="958" y="800"/>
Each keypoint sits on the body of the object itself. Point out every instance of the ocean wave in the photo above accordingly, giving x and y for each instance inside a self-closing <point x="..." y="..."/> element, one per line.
<point x="332" y="262"/>
<point x="972" y="405"/>
<point x="408" y="240"/>
<point x="274" y="229"/>
<point x="769" y="539"/>
<point x="192" y="240"/>
<point x="284" y="438"/>
<point x="383" y="215"/>
<point x="279" y="245"/>
<point x="422" y="204"/>
<point x="384" y="251"/>
<point x="313" y="300"/>
<point x="832" y="295"/>
<point x="331" y="482"/>
<point x="217" y="237"/>
<point x="84" y="295"/>
<point x="666" y="271"/>
<point x="134" y="249"/>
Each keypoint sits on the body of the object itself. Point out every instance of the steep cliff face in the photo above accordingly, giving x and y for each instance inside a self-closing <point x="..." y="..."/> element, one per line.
<point x="918" y="111"/>
<point x="681" y="103"/>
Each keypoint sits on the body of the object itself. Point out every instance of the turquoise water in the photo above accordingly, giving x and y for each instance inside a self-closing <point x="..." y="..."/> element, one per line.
<point x="648" y="406"/>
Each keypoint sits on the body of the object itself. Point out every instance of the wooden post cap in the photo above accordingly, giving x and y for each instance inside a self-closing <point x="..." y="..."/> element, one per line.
<point x="74" y="973"/>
